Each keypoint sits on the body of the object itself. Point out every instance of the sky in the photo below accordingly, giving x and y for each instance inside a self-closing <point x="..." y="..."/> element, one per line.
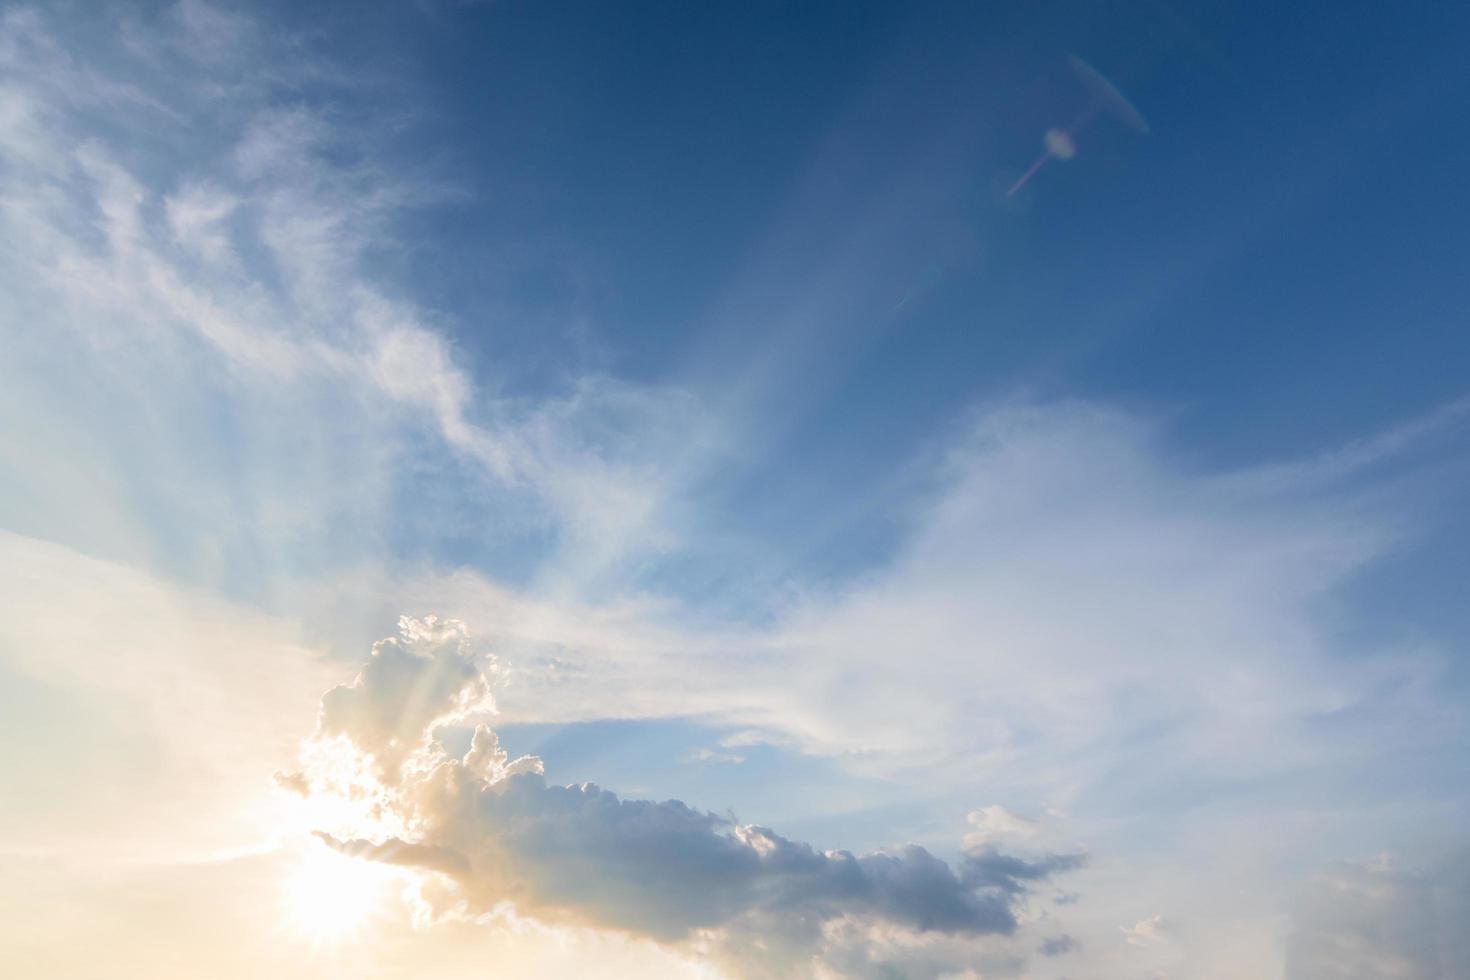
<point x="763" y="490"/>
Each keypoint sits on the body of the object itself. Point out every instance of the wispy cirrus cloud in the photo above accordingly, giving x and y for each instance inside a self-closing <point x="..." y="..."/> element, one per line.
<point x="236" y="242"/>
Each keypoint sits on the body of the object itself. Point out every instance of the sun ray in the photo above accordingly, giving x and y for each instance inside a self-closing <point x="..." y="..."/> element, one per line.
<point x="330" y="898"/>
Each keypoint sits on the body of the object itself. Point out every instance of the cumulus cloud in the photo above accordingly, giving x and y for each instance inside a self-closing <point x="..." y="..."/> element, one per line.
<point x="666" y="869"/>
<point x="995" y="822"/>
<point x="1145" y="932"/>
<point x="423" y="677"/>
<point x="580" y="855"/>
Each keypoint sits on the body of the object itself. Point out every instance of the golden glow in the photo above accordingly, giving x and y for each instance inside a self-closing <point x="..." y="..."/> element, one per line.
<point x="330" y="897"/>
<point x="342" y="796"/>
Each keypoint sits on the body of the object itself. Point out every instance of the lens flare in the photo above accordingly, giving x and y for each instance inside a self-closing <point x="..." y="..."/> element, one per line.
<point x="1104" y="97"/>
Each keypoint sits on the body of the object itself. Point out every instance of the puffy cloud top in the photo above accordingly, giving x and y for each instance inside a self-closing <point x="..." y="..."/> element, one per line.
<point x="425" y="676"/>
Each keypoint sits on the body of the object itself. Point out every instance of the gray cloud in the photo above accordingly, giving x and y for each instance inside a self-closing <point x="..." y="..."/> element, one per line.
<point x="1057" y="945"/>
<point x="665" y="869"/>
<point x="1010" y="875"/>
<point x="582" y="855"/>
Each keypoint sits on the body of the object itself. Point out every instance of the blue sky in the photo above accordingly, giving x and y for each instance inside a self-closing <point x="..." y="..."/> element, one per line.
<point x="676" y="391"/>
<point x="678" y="193"/>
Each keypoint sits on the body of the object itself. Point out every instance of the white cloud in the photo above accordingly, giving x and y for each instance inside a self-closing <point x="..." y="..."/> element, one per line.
<point x="196" y="214"/>
<point x="1144" y="932"/>
<point x="712" y="755"/>
<point x="1069" y="589"/>
<point x="420" y="679"/>
<point x="995" y="822"/>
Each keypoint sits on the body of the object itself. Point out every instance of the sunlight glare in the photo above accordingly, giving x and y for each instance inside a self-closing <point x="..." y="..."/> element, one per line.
<point x="330" y="897"/>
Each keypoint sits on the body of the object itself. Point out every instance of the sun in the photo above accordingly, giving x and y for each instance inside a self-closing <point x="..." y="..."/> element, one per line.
<point x="330" y="898"/>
